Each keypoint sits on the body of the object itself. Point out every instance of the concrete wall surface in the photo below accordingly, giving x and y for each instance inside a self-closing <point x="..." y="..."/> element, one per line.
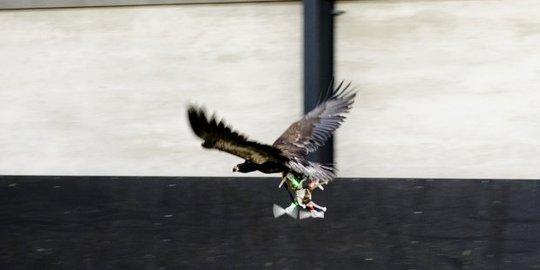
<point x="34" y="4"/>
<point x="446" y="88"/>
<point x="103" y="91"/>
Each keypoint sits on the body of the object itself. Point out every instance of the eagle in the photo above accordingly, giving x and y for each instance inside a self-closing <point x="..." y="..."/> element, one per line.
<point x="288" y="153"/>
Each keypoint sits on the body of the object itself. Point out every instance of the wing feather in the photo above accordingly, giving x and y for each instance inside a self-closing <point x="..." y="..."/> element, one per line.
<point x="307" y="134"/>
<point x="217" y="135"/>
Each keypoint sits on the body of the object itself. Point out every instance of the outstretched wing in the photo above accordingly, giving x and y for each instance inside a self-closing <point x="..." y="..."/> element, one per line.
<point x="217" y="135"/>
<point x="310" y="132"/>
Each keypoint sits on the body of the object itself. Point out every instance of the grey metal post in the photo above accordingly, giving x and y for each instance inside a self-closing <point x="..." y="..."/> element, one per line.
<point x="318" y="61"/>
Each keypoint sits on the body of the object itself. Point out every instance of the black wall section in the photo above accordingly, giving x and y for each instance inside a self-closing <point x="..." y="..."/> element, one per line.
<point x="219" y="223"/>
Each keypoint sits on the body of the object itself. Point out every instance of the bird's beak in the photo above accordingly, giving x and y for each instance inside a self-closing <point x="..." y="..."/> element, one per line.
<point x="235" y="168"/>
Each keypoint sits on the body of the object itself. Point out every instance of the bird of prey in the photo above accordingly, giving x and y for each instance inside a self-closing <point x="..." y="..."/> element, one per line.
<point x="288" y="153"/>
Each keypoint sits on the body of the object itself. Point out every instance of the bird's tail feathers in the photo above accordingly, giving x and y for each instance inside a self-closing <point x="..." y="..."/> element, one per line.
<point x="314" y="170"/>
<point x="324" y="173"/>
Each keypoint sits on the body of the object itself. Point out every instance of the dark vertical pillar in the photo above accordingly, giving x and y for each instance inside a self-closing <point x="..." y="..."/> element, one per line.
<point x="318" y="61"/>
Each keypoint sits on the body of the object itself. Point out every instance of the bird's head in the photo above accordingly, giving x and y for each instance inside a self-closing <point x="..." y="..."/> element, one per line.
<point x="244" y="167"/>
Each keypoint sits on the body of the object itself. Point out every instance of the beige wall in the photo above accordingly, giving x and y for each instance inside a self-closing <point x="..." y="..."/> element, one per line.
<point x="447" y="88"/>
<point x="104" y="91"/>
